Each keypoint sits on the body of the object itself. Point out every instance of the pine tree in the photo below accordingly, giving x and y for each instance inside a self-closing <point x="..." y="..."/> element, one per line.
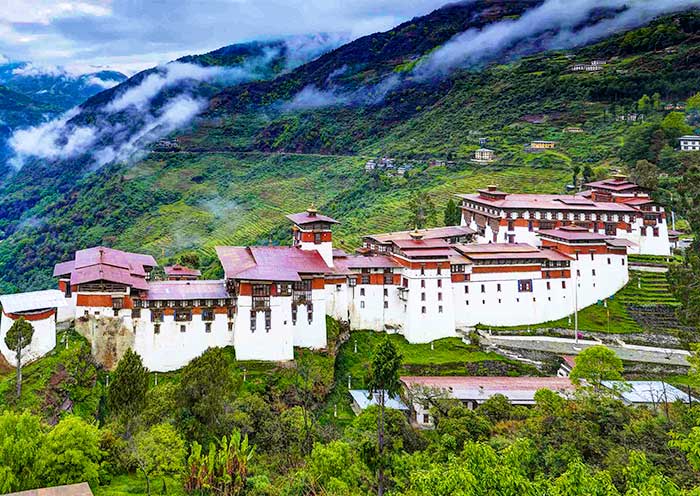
<point x="383" y="380"/>
<point x="18" y="337"/>
<point x="452" y="214"/>
<point x="127" y="390"/>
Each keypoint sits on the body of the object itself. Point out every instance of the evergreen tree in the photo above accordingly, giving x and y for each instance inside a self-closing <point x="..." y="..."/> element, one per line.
<point x="587" y="173"/>
<point x="693" y="103"/>
<point x="383" y="380"/>
<point x="575" y="170"/>
<point x="423" y="211"/>
<point x="19" y="337"/>
<point x="127" y="390"/>
<point x="646" y="175"/>
<point x="452" y="214"/>
<point x="656" y="101"/>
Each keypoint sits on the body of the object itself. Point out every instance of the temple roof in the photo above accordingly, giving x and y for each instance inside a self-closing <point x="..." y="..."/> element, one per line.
<point x="270" y="263"/>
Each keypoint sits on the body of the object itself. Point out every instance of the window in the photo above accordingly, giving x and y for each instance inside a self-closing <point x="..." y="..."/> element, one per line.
<point x="183" y="328"/>
<point x="623" y="261"/>
<point x="440" y="309"/>
<point x="208" y="314"/>
<point x="483" y="288"/>
<point x="439" y="270"/>
<point x="422" y="284"/>
<point x="467" y="302"/>
<point x="422" y="270"/>
<point x="439" y="283"/>
<point x="530" y="225"/>
<point x="156" y="316"/>
<point x="253" y="320"/>
<point x="511" y="225"/>
<point x="592" y="255"/>
<point x="136" y="313"/>
<point x="466" y="289"/>
<point x="609" y="261"/>
<point x="656" y="232"/>
<point x="207" y="327"/>
<point x="182" y="315"/>
<point x="386" y="292"/>
<point x="525" y="286"/>
<point x="231" y="312"/>
<point x="578" y="272"/>
<point x="362" y="291"/>
<point x="549" y="285"/>
<point x="386" y="304"/>
<point x="498" y="287"/>
<point x="362" y="304"/>
<point x="338" y="287"/>
<point x="422" y="309"/>
<point x="317" y="238"/>
<point x="422" y="297"/>
<point x="230" y="326"/>
<point x="439" y="296"/>
<point x="117" y="303"/>
<point x="156" y="328"/>
<point x="593" y="271"/>
<point x="563" y="285"/>
<point x="268" y="319"/>
<point x="426" y="418"/>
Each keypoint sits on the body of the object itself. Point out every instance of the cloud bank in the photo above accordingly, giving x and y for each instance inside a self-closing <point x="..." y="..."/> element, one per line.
<point x="561" y="17"/>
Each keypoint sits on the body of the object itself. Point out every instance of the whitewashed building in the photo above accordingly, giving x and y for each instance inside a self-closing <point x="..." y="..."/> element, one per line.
<point x="424" y="284"/>
<point x="40" y="309"/>
<point x="689" y="143"/>
<point x="615" y="207"/>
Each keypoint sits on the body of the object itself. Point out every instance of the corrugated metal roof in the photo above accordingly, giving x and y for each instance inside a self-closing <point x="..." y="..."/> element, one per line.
<point x="187" y="290"/>
<point x="579" y="234"/>
<point x="549" y="202"/>
<point x="270" y="263"/>
<point x="81" y="489"/>
<point x="432" y="233"/>
<point x="306" y="218"/>
<point x="369" y="262"/>
<point x="364" y="400"/>
<point x="181" y="270"/>
<point x="518" y="389"/>
<point x="101" y="263"/>
<point x="34" y="300"/>
<point x="647" y="392"/>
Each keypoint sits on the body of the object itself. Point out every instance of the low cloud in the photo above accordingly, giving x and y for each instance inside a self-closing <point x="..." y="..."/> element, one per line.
<point x="557" y="21"/>
<point x="312" y="97"/>
<point x="102" y="83"/>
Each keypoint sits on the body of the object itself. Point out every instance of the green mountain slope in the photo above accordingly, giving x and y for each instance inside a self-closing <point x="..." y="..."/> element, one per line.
<point x="250" y="159"/>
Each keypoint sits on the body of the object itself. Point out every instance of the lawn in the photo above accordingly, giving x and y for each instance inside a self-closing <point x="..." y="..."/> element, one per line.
<point x="135" y="484"/>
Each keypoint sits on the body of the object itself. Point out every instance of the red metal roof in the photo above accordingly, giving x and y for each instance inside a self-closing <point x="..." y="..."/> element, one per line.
<point x="107" y="264"/>
<point x="549" y="202"/>
<point x="181" y="270"/>
<point x="270" y="263"/>
<point x="495" y="248"/>
<point x="370" y="262"/>
<point x="432" y="233"/>
<point x="419" y="244"/>
<point x="491" y="383"/>
<point x="306" y="218"/>
<point x="612" y="185"/>
<point x="186" y="290"/>
<point x="577" y="234"/>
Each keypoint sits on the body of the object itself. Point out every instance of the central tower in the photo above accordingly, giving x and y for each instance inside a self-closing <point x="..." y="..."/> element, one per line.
<point x="312" y="231"/>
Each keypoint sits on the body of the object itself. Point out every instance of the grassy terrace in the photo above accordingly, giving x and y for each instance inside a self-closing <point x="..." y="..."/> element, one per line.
<point x="647" y="292"/>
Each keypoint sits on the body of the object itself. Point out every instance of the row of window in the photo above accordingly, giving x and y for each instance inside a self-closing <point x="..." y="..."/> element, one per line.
<point x="183" y="328"/>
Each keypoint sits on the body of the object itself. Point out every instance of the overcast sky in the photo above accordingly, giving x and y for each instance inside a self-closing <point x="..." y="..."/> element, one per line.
<point x="130" y="35"/>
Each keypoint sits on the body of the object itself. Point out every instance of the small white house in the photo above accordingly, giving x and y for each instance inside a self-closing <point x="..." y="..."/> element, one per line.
<point x="690" y="143"/>
<point x="483" y="155"/>
<point x="40" y="309"/>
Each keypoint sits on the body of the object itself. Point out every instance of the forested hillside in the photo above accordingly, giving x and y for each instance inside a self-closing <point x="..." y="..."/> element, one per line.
<point x="266" y="148"/>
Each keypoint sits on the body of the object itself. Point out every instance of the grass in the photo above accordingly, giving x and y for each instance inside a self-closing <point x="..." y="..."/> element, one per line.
<point x="135" y="484"/>
<point x="644" y="289"/>
<point x="58" y="375"/>
<point x="448" y="356"/>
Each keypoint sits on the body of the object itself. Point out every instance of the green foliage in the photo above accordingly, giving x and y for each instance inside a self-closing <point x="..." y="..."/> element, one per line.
<point x="70" y="453"/>
<point x="205" y="389"/>
<point x="595" y="364"/>
<point x="21" y="435"/>
<point x="453" y="215"/>
<point x="423" y="211"/>
<point x="675" y="126"/>
<point x="693" y="103"/>
<point x="223" y="470"/>
<point x="127" y="390"/>
<point x="159" y="451"/>
<point x="645" y="174"/>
